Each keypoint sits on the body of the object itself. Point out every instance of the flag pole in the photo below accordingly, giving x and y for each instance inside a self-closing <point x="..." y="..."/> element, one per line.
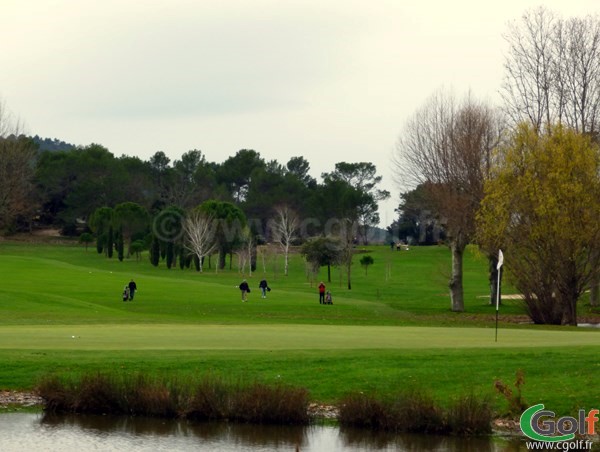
<point x="499" y="268"/>
<point x="497" y="302"/>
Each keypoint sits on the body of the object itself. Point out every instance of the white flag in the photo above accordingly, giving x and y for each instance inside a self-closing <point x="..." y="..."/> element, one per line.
<point x="500" y="260"/>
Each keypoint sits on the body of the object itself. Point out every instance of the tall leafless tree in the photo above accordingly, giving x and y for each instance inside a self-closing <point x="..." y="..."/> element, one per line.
<point x="530" y="68"/>
<point x="200" y="235"/>
<point x="447" y="146"/>
<point x="553" y="71"/>
<point x="17" y="168"/>
<point x="246" y="250"/>
<point x="284" y="228"/>
<point x="9" y="124"/>
<point x="577" y="46"/>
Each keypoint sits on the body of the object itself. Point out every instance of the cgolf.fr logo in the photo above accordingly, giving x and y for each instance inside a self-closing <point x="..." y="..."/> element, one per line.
<point x="539" y="424"/>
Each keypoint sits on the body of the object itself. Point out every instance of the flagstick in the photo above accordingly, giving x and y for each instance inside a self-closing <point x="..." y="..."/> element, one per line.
<point x="497" y="301"/>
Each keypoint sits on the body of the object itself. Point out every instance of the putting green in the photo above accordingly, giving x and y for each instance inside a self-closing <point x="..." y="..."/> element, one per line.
<point x="279" y="337"/>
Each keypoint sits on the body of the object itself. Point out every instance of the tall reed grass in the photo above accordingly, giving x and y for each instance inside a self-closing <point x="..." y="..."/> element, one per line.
<point x="209" y="398"/>
<point x="212" y="398"/>
<point x="416" y="412"/>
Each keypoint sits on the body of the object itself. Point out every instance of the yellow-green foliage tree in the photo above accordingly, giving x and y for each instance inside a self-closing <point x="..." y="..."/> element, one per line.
<point x="542" y="206"/>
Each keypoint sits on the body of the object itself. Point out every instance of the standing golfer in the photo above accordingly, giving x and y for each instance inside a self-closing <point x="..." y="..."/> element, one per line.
<point x="245" y="289"/>
<point x="263" y="286"/>
<point x="322" y="293"/>
<point x="132" y="289"/>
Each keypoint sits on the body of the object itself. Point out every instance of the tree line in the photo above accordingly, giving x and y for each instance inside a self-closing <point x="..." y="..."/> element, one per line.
<point x="186" y="210"/>
<point x="64" y="188"/>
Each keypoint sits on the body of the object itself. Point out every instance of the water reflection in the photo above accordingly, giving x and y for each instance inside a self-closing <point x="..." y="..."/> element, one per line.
<point x="366" y="440"/>
<point x="254" y="436"/>
<point x="244" y="435"/>
<point x="25" y="431"/>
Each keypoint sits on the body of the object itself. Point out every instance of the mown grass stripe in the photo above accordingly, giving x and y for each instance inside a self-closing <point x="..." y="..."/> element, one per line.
<point x="279" y="337"/>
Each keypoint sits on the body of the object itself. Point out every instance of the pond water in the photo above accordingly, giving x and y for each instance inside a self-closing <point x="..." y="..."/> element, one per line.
<point x="30" y="431"/>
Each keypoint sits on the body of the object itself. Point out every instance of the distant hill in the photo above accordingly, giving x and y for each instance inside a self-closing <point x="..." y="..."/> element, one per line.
<point x="52" y="144"/>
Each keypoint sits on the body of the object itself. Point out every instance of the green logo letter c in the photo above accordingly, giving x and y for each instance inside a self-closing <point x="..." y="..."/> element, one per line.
<point x="529" y="418"/>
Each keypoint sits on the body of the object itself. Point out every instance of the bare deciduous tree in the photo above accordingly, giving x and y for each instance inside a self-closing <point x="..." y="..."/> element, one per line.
<point x="245" y="251"/>
<point x="577" y="45"/>
<point x="17" y="168"/>
<point x="553" y="71"/>
<point x="200" y="234"/>
<point x="284" y="227"/>
<point x="446" y="146"/>
<point x="17" y="157"/>
<point x="9" y="124"/>
<point x="530" y="68"/>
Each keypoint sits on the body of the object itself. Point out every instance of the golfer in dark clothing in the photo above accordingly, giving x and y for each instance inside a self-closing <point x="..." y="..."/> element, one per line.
<point x="264" y="286"/>
<point x="132" y="289"/>
<point x="245" y="289"/>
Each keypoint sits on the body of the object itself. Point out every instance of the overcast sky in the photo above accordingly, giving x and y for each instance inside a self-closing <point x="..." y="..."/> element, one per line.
<point x="327" y="80"/>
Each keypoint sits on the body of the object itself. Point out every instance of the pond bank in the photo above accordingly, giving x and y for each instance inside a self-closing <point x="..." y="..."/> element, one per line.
<point x="19" y="398"/>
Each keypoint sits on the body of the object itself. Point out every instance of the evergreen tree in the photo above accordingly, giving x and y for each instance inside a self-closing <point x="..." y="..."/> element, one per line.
<point x="120" y="246"/>
<point x="110" y="240"/>
<point x="155" y="251"/>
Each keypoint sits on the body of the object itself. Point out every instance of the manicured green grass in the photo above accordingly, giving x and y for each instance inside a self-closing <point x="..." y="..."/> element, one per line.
<point x="280" y="337"/>
<point x="61" y="311"/>
<point x="64" y="284"/>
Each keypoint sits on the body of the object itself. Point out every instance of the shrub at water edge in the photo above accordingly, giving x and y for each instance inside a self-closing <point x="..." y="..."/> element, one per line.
<point x="416" y="412"/>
